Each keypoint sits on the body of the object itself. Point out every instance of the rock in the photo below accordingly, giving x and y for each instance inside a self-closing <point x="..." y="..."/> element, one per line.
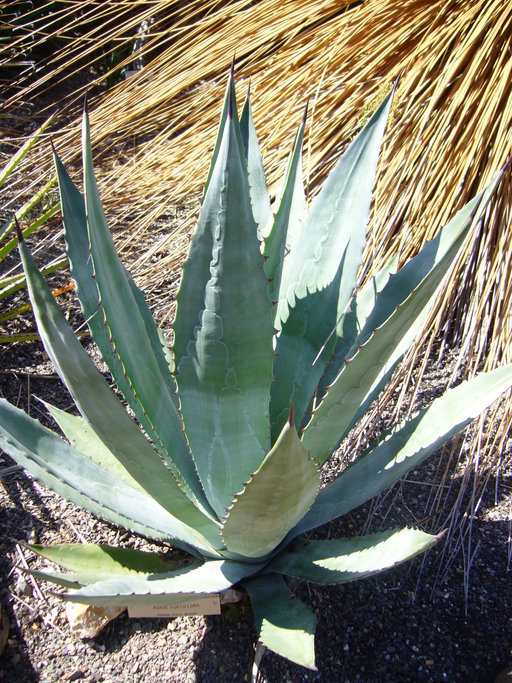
<point x="504" y="676"/>
<point x="87" y="621"/>
<point x="4" y="629"/>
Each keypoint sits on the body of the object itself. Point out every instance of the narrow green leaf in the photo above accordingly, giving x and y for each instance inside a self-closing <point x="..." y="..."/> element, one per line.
<point x="211" y="577"/>
<point x="130" y="337"/>
<point x="285" y="624"/>
<point x="9" y="167"/>
<point x="224" y="369"/>
<point x="260" y="198"/>
<point x="9" y="225"/>
<point x="350" y="559"/>
<point x="406" y="446"/>
<point x="277" y="496"/>
<point x="12" y="284"/>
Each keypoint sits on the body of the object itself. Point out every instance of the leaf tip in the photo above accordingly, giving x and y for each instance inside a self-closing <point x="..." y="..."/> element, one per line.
<point x="19" y="232"/>
<point x="291" y="417"/>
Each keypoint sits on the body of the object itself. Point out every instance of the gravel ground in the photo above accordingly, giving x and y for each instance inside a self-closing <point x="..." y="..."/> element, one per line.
<point x="410" y="624"/>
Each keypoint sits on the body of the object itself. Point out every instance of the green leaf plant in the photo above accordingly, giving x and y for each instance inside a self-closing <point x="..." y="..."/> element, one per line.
<point x="276" y="356"/>
<point x="11" y="283"/>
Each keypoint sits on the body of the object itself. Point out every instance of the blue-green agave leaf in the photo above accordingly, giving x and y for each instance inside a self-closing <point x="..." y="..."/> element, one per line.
<point x="406" y="446"/>
<point x="335" y="228"/>
<point x="75" y="477"/>
<point x="69" y="580"/>
<point x="352" y="323"/>
<point x="77" y="246"/>
<point x="224" y="370"/>
<point x="228" y="104"/>
<point x="277" y="496"/>
<point x="320" y="273"/>
<point x="211" y="577"/>
<point x="376" y="351"/>
<point x="260" y="198"/>
<point x="302" y="355"/>
<point x="290" y="212"/>
<point x="103" y="411"/>
<point x="285" y="624"/>
<point x="132" y="344"/>
<point x="349" y="559"/>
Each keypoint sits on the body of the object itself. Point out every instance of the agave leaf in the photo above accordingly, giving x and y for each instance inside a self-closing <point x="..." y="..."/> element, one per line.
<point x="376" y="351"/>
<point x="211" y="577"/>
<point x="260" y="198"/>
<point x="350" y="559"/>
<point x="406" y="446"/>
<point x="352" y="323"/>
<point x="85" y="440"/>
<point x="300" y="359"/>
<point x="228" y="104"/>
<point x="319" y="275"/>
<point x="277" y="496"/>
<point x="285" y="624"/>
<point x="77" y="245"/>
<point x="72" y="475"/>
<point x="335" y="228"/>
<point x="99" y="405"/>
<point x="196" y="269"/>
<point x="88" y="563"/>
<point x="224" y="370"/>
<point x="148" y="379"/>
<point x="70" y="580"/>
<point x="91" y="562"/>
<point x="287" y="223"/>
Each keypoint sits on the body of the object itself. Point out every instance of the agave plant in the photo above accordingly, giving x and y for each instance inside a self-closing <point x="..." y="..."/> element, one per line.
<point x="276" y="356"/>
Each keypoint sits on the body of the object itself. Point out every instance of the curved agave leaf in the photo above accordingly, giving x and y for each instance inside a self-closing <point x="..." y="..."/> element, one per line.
<point x="320" y="273"/>
<point x="224" y="370"/>
<point x="99" y="405"/>
<point x="277" y="496"/>
<point x="148" y="379"/>
<point x="77" y="244"/>
<point x="300" y="359"/>
<point x="352" y="323"/>
<point x="285" y="624"/>
<point x="406" y="446"/>
<point x="260" y="198"/>
<point x="211" y="577"/>
<point x="376" y="351"/>
<point x="287" y="222"/>
<point x="350" y="559"/>
<point x="335" y="228"/>
<point x="73" y="476"/>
